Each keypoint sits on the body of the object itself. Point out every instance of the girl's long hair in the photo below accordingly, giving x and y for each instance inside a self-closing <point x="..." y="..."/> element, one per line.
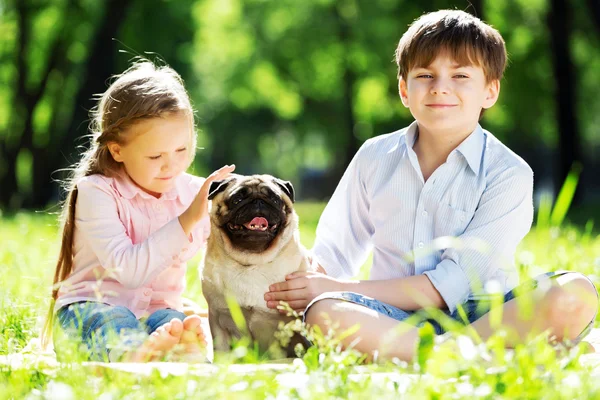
<point x="142" y="92"/>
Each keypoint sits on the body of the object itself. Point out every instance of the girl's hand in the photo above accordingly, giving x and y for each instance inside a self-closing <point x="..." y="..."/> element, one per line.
<point x="199" y="207"/>
<point x="300" y="288"/>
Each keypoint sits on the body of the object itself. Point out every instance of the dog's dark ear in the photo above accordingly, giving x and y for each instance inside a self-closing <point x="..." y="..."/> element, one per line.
<point x="287" y="188"/>
<point x="217" y="187"/>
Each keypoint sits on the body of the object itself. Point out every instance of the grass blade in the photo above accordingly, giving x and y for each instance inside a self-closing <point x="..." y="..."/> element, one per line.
<point x="565" y="197"/>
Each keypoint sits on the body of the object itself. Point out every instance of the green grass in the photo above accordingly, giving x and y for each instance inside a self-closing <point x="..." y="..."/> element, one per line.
<point x="457" y="369"/>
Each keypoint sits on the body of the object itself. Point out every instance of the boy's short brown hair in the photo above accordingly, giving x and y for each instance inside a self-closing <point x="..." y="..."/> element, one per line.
<point x="469" y="41"/>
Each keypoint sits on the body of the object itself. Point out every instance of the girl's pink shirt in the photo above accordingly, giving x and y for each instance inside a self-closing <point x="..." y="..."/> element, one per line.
<point x="129" y="247"/>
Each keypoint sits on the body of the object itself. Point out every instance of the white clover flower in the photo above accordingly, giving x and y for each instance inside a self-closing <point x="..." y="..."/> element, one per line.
<point x="59" y="390"/>
<point x="493" y="286"/>
<point x="483" y="390"/>
<point x="106" y="396"/>
<point x="465" y="389"/>
<point x="572" y="380"/>
<point x="467" y="348"/>
<point x="192" y="385"/>
<point x="239" y="387"/>
<point x="526" y="257"/>
<point x="292" y="380"/>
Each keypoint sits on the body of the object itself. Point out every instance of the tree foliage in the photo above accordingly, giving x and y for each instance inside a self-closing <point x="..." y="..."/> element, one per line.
<point x="285" y="87"/>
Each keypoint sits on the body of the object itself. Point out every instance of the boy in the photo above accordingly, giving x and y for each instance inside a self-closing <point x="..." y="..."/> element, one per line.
<point x="407" y="194"/>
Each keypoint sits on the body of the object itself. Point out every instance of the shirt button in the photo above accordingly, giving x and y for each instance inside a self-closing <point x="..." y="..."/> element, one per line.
<point x="424" y="213"/>
<point x="146" y="293"/>
<point x="175" y="258"/>
<point x="421" y="244"/>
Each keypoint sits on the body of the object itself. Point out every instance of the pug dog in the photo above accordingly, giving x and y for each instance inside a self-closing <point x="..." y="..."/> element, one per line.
<point x="254" y="242"/>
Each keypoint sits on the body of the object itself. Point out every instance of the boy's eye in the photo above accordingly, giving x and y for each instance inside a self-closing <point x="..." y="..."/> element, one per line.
<point x="462" y="76"/>
<point x="426" y="76"/>
<point x="154" y="157"/>
<point x="182" y="149"/>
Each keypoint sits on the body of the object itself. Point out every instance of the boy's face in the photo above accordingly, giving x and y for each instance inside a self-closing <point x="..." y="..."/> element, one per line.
<point x="445" y="97"/>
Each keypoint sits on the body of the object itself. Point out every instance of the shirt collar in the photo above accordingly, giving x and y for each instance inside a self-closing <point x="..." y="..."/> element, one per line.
<point x="410" y="135"/>
<point x="128" y="189"/>
<point x="471" y="148"/>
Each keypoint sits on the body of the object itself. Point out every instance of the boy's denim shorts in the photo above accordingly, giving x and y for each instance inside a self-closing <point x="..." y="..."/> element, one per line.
<point x="474" y="309"/>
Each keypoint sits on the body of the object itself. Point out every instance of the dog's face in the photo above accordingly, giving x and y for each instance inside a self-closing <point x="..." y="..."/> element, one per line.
<point x="252" y="211"/>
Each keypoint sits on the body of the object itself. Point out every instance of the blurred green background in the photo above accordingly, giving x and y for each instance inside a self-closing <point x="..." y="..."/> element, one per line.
<point x="287" y="87"/>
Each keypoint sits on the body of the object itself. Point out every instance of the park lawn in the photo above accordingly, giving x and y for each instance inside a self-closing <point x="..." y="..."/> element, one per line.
<point x="459" y="368"/>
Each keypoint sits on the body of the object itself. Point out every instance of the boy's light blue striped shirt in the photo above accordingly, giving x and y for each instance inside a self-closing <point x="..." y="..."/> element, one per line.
<point x="482" y="196"/>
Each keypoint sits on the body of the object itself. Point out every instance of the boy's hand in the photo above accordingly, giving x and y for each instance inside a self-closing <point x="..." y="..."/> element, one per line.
<point x="300" y="288"/>
<point x="199" y="207"/>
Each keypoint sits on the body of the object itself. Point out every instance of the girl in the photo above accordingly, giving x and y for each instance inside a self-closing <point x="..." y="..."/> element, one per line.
<point x="131" y="220"/>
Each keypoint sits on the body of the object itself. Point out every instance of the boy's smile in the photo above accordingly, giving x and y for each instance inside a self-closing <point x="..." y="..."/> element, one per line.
<point x="447" y="98"/>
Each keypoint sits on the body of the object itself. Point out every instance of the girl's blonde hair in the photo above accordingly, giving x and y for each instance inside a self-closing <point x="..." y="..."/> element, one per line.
<point x="142" y="92"/>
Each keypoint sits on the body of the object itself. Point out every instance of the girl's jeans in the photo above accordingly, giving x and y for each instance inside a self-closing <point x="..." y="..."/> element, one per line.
<point x="108" y="331"/>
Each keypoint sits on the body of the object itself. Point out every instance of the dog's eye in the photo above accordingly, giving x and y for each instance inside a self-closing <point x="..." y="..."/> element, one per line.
<point x="237" y="200"/>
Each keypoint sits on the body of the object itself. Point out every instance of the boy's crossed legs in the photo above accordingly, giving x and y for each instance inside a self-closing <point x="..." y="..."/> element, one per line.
<point x="565" y="304"/>
<point x="96" y="324"/>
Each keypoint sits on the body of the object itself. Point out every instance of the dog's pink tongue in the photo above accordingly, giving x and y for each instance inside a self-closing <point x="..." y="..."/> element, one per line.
<point x="257" y="224"/>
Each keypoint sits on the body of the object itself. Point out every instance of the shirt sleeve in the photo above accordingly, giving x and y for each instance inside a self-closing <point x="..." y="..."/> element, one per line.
<point x="199" y="234"/>
<point x="198" y="239"/>
<point x="344" y="232"/>
<point x="502" y="219"/>
<point x="133" y="265"/>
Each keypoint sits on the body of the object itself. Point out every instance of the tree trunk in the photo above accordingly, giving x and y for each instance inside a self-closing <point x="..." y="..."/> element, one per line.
<point x="8" y="182"/>
<point x="594" y="8"/>
<point x="18" y="134"/>
<point x="352" y="144"/>
<point x="569" y="146"/>
<point x="98" y="68"/>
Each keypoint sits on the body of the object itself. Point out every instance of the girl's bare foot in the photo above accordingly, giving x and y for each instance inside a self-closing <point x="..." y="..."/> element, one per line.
<point x="193" y="341"/>
<point x="163" y="339"/>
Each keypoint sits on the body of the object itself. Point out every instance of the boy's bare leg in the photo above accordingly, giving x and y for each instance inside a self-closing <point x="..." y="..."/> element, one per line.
<point x="564" y="309"/>
<point x="158" y="343"/>
<point x="378" y="334"/>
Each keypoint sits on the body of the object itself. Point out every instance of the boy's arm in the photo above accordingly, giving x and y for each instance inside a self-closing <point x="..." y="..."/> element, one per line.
<point x="344" y="231"/>
<point x="411" y="293"/>
<point x="502" y="219"/>
<point x="342" y="244"/>
<point x="408" y="294"/>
